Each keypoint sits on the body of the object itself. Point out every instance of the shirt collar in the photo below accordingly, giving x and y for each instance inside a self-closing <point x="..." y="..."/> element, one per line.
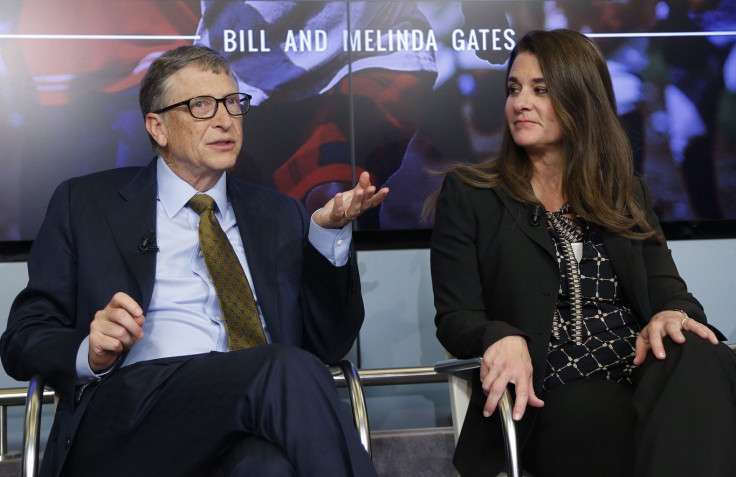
<point x="174" y="192"/>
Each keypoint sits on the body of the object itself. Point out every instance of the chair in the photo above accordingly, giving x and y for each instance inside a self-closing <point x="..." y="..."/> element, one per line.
<point x="345" y="372"/>
<point x="459" y="373"/>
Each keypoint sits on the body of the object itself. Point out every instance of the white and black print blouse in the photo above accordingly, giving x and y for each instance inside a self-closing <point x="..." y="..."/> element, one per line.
<point x="594" y="331"/>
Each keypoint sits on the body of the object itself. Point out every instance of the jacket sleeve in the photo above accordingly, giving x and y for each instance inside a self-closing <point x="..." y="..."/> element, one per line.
<point x="463" y="323"/>
<point x="333" y="305"/>
<point x="330" y="299"/>
<point x="41" y="336"/>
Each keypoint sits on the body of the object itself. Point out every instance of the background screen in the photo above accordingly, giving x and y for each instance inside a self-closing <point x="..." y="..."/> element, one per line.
<point x="400" y="89"/>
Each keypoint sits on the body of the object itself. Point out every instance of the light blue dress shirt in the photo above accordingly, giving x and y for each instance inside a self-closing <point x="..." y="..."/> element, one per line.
<point x="184" y="317"/>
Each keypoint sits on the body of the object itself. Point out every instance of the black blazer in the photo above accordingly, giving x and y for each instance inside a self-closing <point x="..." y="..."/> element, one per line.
<point x="494" y="274"/>
<point x="87" y="250"/>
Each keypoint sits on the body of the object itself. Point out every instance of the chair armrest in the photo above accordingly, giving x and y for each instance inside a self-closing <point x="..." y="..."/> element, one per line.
<point x="455" y="366"/>
<point x="460" y="368"/>
<point x="357" y="400"/>
<point x="32" y="427"/>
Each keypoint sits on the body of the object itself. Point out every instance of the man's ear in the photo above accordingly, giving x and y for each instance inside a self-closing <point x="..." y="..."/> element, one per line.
<point x="157" y="129"/>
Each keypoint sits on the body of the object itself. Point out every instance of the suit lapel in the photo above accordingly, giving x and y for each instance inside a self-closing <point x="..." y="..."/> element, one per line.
<point x="522" y="214"/>
<point x="619" y="250"/>
<point x="260" y="235"/>
<point x="129" y="220"/>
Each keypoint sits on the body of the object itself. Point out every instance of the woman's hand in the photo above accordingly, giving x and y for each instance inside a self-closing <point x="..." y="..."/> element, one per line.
<point x="508" y="361"/>
<point x="668" y="323"/>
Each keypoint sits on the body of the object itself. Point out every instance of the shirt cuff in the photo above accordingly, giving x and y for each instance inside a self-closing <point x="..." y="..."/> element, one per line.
<point x="333" y="244"/>
<point x="85" y="374"/>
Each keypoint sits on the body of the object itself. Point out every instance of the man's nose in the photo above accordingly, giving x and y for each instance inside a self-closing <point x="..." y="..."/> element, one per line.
<point x="222" y="116"/>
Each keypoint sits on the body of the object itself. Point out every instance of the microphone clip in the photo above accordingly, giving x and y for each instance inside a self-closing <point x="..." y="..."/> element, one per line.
<point x="536" y="213"/>
<point x="148" y="242"/>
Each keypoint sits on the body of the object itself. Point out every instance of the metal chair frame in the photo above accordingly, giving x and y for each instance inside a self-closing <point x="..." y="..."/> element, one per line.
<point x="460" y="368"/>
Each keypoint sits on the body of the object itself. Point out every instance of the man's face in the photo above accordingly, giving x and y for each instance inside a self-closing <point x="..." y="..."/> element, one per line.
<point x="197" y="150"/>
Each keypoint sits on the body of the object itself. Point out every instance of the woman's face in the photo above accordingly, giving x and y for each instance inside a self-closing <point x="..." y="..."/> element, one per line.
<point x="533" y="122"/>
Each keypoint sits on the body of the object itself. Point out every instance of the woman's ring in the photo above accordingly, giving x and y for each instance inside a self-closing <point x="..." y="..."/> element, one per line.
<point x="682" y="323"/>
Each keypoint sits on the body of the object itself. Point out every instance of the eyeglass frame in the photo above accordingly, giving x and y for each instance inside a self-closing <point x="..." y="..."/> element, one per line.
<point x="188" y="103"/>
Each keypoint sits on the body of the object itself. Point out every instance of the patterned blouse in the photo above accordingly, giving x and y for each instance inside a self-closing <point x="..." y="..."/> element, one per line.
<point x="594" y="331"/>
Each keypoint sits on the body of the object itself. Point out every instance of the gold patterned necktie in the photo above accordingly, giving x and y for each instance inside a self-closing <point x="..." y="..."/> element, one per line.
<point x="239" y="312"/>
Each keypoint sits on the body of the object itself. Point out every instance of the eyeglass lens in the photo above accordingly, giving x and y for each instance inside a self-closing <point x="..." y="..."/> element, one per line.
<point x="203" y="107"/>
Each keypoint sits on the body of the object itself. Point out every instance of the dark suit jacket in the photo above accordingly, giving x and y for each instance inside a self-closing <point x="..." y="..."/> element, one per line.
<point x="87" y="250"/>
<point x="495" y="274"/>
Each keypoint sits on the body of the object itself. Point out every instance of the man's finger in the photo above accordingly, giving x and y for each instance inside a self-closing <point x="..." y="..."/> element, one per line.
<point x="105" y="344"/>
<point x="126" y="302"/>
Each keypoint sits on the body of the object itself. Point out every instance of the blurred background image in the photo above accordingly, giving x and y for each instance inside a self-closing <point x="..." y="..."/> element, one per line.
<point x="398" y="88"/>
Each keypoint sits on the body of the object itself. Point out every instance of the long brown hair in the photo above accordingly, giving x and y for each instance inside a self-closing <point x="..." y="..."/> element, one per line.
<point x="598" y="171"/>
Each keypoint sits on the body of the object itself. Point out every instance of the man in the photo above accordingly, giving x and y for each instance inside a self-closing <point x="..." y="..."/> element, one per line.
<point x="122" y="317"/>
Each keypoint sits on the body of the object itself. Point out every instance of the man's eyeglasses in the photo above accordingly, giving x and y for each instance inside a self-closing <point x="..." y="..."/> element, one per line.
<point x="205" y="107"/>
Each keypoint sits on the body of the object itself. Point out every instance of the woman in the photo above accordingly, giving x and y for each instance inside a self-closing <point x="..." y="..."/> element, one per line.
<point x="550" y="263"/>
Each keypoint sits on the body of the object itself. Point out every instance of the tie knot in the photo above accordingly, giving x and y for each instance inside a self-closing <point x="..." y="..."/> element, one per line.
<point x="201" y="203"/>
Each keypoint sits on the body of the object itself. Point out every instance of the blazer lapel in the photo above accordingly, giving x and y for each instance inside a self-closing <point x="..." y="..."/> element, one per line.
<point x="260" y="234"/>
<point x="129" y="221"/>
<point x="522" y="215"/>
<point x="618" y="248"/>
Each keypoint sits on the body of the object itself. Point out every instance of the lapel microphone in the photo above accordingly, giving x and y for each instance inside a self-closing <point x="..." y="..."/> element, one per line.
<point x="148" y="242"/>
<point x="536" y="213"/>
